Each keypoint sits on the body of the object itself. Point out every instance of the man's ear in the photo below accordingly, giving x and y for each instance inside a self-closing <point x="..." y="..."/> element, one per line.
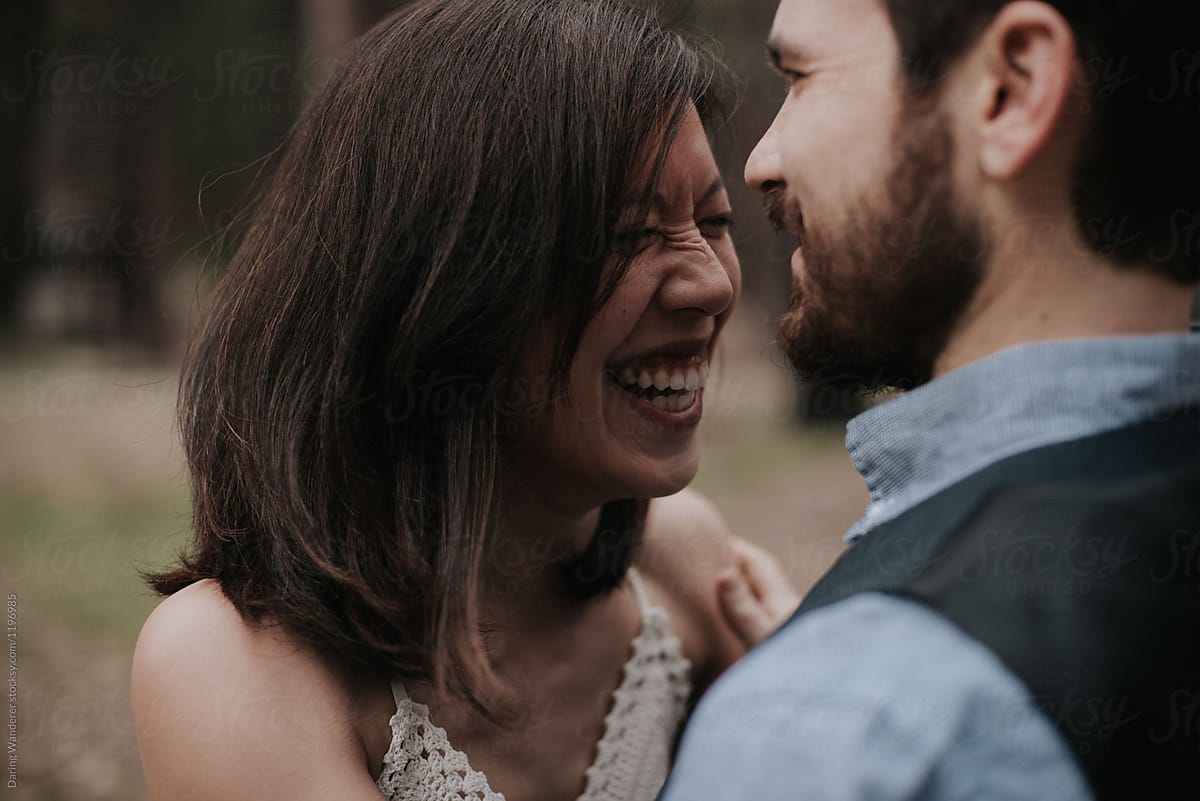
<point x="1028" y="54"/>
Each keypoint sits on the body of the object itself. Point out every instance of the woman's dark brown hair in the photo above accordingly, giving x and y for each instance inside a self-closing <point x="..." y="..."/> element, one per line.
<point x="449" y="197"/>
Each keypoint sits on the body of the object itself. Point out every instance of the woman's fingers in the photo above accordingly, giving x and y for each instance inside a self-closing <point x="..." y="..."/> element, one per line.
<point x="743" y="610"/>
<point x="767" y="580"/>
<point x="757" y="598"/>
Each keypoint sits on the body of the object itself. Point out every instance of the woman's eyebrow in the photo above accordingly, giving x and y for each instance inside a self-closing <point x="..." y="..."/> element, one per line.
<point x="713" y="188"/>
<point x="659" y="201"/>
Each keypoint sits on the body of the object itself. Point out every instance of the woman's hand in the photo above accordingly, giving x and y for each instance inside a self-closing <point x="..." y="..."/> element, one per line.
<point x="756" y="596"/>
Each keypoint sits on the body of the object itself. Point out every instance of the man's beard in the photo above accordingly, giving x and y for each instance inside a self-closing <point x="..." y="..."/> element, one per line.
<point x="878" y="299"/>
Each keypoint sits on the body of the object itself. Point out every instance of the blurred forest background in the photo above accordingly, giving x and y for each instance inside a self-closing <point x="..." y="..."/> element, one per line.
<point x="132" y="130"/>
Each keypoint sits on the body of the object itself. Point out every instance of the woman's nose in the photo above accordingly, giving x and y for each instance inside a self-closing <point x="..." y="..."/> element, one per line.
<point x="699" y="281"/>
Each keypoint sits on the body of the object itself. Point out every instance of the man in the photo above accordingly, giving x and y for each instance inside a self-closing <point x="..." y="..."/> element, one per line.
<point x="996" y="208"/>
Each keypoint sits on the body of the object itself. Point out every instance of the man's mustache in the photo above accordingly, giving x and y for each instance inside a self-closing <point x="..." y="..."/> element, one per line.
<point x="783" y="213"/>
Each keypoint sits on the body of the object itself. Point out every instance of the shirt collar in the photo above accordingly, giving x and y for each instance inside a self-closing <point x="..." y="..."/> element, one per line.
<point x="1021" y="398"/>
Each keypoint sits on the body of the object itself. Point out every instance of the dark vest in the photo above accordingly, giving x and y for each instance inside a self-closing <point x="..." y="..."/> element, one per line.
<point x="1078" y="565"/>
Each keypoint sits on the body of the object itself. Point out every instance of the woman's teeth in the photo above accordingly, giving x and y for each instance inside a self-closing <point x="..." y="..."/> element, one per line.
<point x="674" y="403"/>
<point x="671" y="390"/>
<point x="692" y="379"/>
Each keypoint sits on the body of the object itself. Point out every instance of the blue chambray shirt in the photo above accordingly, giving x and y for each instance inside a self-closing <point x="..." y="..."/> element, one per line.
<point x="878" y="698"/>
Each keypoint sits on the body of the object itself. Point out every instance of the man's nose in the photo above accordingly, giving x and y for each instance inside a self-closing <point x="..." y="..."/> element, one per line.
<point x="763" y="167"/>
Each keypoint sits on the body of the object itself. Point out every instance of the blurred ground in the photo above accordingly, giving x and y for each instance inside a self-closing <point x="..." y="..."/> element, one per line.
<point x="93" y="489"/>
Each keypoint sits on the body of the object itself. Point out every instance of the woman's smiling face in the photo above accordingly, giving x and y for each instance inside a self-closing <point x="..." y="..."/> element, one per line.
<point x="628" y="426"/>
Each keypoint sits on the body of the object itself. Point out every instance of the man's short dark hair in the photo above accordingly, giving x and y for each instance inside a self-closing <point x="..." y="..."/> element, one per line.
<point x="1136" y="186"/>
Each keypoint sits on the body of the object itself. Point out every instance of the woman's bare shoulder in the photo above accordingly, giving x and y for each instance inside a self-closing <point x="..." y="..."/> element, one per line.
<point x="224" y="708"/>
<point x="200" y="620"/>
<point x="686" y="522"/>
<point x="686" y="547"/>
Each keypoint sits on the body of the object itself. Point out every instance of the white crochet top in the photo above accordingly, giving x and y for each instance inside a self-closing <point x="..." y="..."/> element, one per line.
<point x="632" y="757"/>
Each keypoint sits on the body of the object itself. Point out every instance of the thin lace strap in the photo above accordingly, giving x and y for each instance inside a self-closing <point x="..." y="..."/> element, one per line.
<point x="639" y="590"/>
<point x="398" y="692"/>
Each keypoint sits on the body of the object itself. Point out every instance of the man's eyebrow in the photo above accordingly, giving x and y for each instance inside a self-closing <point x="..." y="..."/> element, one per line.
<point x="778" y="52"/>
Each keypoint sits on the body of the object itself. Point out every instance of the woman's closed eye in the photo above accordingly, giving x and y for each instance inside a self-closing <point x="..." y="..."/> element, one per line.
<point x="636" y="240"/>
<point x="716" y="227"/>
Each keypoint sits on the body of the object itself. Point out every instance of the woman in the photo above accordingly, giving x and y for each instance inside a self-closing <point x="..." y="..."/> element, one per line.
<point x="464" y="338"/>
